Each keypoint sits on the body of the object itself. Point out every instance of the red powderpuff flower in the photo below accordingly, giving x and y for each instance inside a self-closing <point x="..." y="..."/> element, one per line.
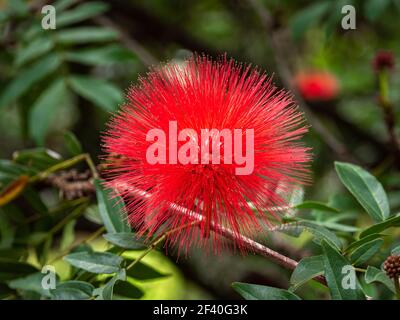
<point x="202" y="94"/>
<point x="383" y="60"/>
<point x="317" y="85"/>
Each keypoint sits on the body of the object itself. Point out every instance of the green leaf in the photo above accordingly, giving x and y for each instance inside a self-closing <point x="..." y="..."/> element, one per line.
<point x="315" y="205"/>
<point x="320" y="233"/>
<point x="10" y="169"/>
<point x="27" y="78"/>
<point x="335" y="264"/>
<point x="11" y="269"/>
<point x="85" y="35"/>
<point x="257" y="292"/>
<point x="365" y="188"/>
<point x="126" y="290"/>
<point x="100" y="56"/>
<point x="396" y="251"/>
<point x="373" y="9"/>
<point x="72" y="290"/>
<point x="72" y="144"/>
<point x="106" y="292"/>
<point x="360" y="242"/>
<point x="34" y="49"/>
<point x="32" y="282"/>
<point x="125" y="240"/>
<point x="308" y="268"/>
<point x="61" y="5"/>
<point x="93" y="215"/>
<point x="7" y="231"/>
<point x="95" y="262"/>
<point x="37" y="158"/>
<point x="375" y="275"/>
<point x="111" y="210"/>
<point x="44" y="110"/>
<point x="81" y="13"/>
<point x="142" y="271"/>
<point x="307" y="17"/>
<point x="366" y="251"/>
<point x="68" y="235"/>
<point x="391" y="222"/>
<point x="101" y="93"/>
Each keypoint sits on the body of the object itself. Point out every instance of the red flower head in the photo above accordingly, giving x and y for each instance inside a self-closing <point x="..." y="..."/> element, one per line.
<point x="383" y="60"/>
<point x="317" y="85"/>
<point x="163" y="136"/>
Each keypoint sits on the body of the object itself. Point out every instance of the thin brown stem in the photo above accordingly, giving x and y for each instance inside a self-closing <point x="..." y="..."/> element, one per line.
<point x="248" y="243"/>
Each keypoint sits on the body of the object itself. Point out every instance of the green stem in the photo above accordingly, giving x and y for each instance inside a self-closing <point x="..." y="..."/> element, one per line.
<point x="91" y="237"/>
<point x="66" y="164"/>
<point x="384" y="87"/>
<point x="157" y="241"/>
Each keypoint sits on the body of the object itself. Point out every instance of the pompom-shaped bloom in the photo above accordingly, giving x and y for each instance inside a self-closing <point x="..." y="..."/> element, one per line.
<point x="317" y="85"/>
<point x="212" y="137"/>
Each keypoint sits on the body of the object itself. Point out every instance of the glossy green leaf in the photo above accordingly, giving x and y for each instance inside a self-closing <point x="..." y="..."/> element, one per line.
<point x="95" y="262"/>
<point x="101" y="93"/>
<point x="366" y="251"/>
<point x="366" y="189"/>
<point x="308" y="268"/>
<point x="44" y="110"/>
<point x="125" y="240"/>
<point x="379" y="227"/>
<point x="258" y="292"/>
<point x="335" y="264"/>
<point x="27" y="78"/>
<point x="111" y="210"/>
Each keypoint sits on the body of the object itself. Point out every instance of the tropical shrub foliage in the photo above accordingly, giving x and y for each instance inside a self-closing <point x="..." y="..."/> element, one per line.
<point x="58" y="88"/>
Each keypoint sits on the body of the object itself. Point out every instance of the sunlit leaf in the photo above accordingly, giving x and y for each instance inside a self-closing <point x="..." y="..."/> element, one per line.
<point x="95" y="262"/>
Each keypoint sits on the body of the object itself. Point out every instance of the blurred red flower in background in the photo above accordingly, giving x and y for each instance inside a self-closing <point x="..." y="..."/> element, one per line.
<point x="317" y="85"/>
<point x="201" y="93"/>
<point x="383" y="60"/>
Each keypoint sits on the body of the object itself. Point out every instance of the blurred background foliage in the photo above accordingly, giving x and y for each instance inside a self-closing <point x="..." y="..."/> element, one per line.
<point x="59" y="87"/>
